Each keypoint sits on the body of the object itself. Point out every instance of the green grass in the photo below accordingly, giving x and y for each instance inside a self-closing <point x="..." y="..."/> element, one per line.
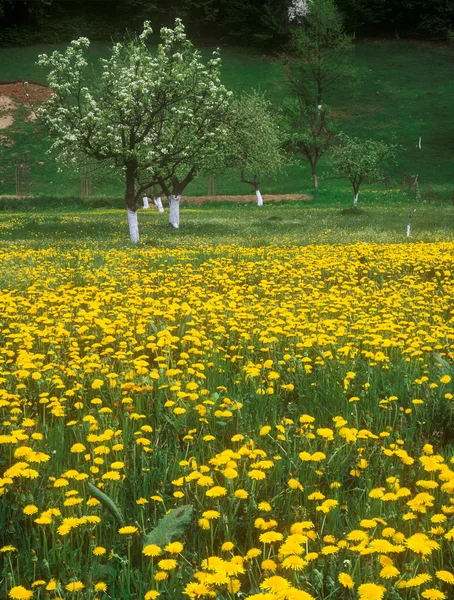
<point x="288" y="222"/>
<point x="404" y="90"/>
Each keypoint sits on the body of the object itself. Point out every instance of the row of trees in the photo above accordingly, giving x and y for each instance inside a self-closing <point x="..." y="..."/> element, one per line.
<point x="163" y="117"/>
<point x="243" y="21"/>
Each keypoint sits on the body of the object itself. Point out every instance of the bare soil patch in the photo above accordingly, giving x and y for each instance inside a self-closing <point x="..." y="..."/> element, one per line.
<point x="14" y="93"/>
<point x="242" y="199"/>
<point x="17" y="90"/>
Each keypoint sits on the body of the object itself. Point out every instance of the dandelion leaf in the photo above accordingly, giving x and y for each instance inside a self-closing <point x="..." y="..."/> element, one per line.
<point x="106" y="502"/>
<point x="170" y="527"/>
<point x="104" y="573"/>
<point x="445" y="367"/>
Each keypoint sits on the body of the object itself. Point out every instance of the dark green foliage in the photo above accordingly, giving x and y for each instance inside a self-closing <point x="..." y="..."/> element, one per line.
<point x="309" y="134"/>
<point x="255" y="22"/>
<point x="319" y="53"/>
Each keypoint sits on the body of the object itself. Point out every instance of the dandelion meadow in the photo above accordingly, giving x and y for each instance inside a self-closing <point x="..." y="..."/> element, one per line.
<point x="288" y="408"/>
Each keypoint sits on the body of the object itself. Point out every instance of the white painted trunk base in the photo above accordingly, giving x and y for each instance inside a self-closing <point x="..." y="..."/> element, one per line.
<point x="133" y="226"/>
<point x="259" y="198"/>
<point x="315" y="178"/>
<point x="355" y="201"/>
<point x="158" y="203"/>
<point x="174" y="211"/>
<point x="408" y="230"/>
<point x="146" y="203"/>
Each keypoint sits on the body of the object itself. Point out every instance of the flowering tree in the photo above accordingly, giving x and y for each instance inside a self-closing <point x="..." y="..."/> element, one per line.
<point x="147" y="115"/>
<point x="298" y="9"/>
<point x="192" y="136"/>
<point x="356" y="160"/>
<point x="255" y="140"/>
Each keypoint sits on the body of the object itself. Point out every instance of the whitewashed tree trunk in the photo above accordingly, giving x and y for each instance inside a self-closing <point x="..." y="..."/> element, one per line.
<point x="408" y="229"/>
<point x="355" y="201"/>
<point x="315" y="178"/>
<point x="174" y="210"/>
<point x="133" y="226"/>
<point x="158" y="203"/>
<point x="146" y="203"/>
<point x="259" y="198"/>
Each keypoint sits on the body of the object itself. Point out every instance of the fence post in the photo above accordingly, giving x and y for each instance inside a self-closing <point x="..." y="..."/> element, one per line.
<point x="211" y="185"/>
<point x="21" y="170"/>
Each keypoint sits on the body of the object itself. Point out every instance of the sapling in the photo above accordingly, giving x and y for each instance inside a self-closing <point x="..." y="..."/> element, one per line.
<point x="356" y="160"/>
<point x="255" y="140"/>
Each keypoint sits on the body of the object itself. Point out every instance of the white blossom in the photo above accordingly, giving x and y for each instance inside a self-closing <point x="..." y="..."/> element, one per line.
<point x="298" y="9"/>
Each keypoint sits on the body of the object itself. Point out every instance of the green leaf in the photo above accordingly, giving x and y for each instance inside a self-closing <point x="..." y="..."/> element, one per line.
<point x="444" y="365"/>
<point x="104" y="573"/>
<point x="106" y="502"/>
<point x="170" y="527"/>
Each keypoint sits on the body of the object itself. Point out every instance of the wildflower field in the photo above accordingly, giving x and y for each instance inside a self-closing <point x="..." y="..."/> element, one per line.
<point x="235" y="422"/>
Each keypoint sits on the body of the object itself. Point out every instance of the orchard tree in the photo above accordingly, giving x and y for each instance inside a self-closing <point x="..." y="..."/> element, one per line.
<point x="192" y="137"/>
<point x="255" y="140"/>
<point x="319" y="52"/>
<point x="309" y="133"/>
<point x="138" y="112"/>
<point x="356" y="160"/>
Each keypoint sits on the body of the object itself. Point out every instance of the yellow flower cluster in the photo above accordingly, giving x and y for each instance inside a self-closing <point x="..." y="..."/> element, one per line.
<point x="299" y="399"/>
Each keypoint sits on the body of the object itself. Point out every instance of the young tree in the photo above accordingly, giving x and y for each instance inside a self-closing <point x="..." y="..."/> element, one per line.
<point x="356" y="160"/>
<point x="319" y="51"/>
<point x="255" y="140"/>
<point x="138" y="113"/>
<point x="309" y="132"/>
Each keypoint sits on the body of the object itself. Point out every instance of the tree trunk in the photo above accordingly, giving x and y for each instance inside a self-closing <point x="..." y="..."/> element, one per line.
<point x="174" y="211"/>
<point x="314" y="176"/>
<point x="259" y="197"/>
<point x="146" y="203"/>
<point x="319" y="93"/>
<point x="131" y="205"/>
<point x="355" y="201"/>
<point x="158" y="203"/>
<point x="133" y="226"/>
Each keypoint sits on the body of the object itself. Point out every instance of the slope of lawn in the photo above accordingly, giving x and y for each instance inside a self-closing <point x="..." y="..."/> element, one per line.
<point x="404" y="90"/>
<point x="212" y="224"/>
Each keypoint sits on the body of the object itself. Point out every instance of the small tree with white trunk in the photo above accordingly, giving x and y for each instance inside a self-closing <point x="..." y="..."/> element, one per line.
<point x="144" y="115"/>
<point x="356" y="160"/>
<point x="255" y="140"/>
<point x="309" y="132"/>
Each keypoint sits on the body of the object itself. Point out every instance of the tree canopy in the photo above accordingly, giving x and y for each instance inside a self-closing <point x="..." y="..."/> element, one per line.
<point x="247" y="22"/>
<point x="156" y="116"/>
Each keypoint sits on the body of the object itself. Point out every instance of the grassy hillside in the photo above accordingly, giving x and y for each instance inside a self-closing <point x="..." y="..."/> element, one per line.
<point x="403" y="90"/>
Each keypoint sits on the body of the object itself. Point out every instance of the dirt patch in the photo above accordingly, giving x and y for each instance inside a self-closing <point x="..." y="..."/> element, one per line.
<point x="32" y="92"/>
<point x="14" y="93"/>
<point x="6" y="121"/>
<point x="5" y="140"/>
<point x="341" y="114"/>
<point x="6" y="104"/>
<point x="7" y="107"/>
<point x="242" y="199"/>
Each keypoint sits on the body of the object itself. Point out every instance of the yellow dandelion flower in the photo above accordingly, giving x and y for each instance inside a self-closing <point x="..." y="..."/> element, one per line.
<point x="445" y="576"/>
<point x="371" y="591"/>
<point x="152" y="550"/>
<point x="346" y="581"/>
